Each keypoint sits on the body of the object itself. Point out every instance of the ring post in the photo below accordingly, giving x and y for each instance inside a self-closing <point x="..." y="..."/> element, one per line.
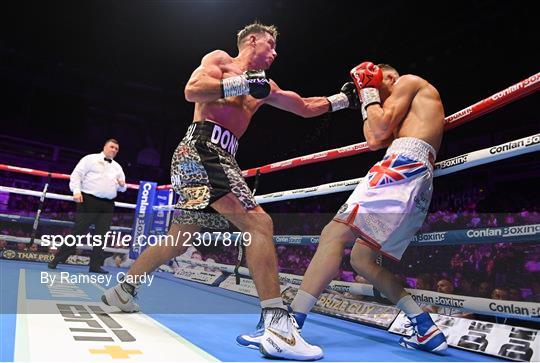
<point x="143" y="217"/>
<point x="38" y="213"/>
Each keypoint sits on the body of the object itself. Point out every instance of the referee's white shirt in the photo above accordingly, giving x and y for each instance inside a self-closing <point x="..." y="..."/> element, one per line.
<point x="94" y="175"/>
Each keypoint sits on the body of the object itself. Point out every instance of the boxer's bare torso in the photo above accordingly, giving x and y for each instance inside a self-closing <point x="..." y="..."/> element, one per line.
<point x="425" y="118"/>
<point x="411" y="107"/>
<point x="233" y="113"/>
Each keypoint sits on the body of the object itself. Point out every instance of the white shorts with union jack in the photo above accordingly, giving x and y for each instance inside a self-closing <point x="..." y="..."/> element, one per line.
<point x="390" y="204"/>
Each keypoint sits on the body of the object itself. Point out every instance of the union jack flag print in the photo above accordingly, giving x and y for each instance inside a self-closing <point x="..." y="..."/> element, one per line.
<point x="394" y="168"/>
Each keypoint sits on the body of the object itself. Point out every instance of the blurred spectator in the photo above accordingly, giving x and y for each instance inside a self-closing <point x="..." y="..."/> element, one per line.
<point x="500" y="293"/>
<point x="425" y="282"/>
<point x="484" y="289"/>
<point x="445" y="287"/>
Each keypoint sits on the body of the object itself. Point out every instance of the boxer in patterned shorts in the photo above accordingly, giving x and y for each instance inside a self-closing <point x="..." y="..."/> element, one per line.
<point x="227" y="91"/>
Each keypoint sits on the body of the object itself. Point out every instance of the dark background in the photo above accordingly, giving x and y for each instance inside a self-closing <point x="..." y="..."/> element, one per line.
<point x="75" y="73"/>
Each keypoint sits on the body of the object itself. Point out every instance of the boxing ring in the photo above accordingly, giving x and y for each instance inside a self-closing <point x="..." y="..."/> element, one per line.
<point x="196" y="313"/>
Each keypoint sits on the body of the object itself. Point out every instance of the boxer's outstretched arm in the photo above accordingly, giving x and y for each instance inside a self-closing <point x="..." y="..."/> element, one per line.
<point x="382" y="120"/>
<point x="292" y="102"/>
<point x="204" y="85"/>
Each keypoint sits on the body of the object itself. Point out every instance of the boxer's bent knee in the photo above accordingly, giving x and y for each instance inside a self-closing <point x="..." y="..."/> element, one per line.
<point x="363" y="259"/>
<point x="259" y="222"/>
<point x="335" y="232"/>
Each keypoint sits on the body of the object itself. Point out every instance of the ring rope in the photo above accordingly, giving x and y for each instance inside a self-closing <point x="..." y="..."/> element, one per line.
<point x="488" y="155"/>
<point x="49" y="222"/>
<point x="495" y="101"/>
<point x="38" y="241"/>
<point x="35" y="172"/>
<point x="499" y="99"/>
<point x="36" y="193"/>
<point x="507" y="150"/>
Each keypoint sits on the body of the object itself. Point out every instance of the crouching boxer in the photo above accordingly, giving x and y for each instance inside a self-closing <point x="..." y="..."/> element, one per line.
<point x="390" y="204"/>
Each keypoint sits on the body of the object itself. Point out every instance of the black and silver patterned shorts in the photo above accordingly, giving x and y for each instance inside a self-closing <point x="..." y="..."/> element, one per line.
<point x="203" y="170"/>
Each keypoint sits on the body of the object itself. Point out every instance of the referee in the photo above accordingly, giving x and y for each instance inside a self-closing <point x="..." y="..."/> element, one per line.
<point x="94" y="182"/>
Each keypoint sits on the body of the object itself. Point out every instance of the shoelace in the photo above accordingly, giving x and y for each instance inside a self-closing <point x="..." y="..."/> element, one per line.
<point x="277" y="315"/>
<point x="295" y="323"/>
<point x="412" y="325"/>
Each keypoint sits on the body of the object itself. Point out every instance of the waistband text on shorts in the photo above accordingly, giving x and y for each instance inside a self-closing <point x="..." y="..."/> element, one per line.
<point x="216" y="134"/>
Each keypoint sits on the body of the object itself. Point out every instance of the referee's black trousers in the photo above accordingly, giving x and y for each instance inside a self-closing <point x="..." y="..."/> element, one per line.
<point x="92" y="210"/>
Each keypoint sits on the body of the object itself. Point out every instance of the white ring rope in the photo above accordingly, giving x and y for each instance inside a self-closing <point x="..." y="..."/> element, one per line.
<point x="507" y="150"/>
<point x="15" y="239"/>
<point x="35" y="193"/>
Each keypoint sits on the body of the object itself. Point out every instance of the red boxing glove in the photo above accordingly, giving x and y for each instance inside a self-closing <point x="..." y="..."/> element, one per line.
<point x="366" y="74"/>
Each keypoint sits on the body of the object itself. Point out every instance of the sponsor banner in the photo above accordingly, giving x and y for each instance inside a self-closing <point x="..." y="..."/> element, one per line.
<point x="459" y="114"/>
<point x="531" y="81"/>
<point x="161" y="216"/>
<point x="214" y="266"/>
<point x="516" y="343"/>
<point x="352" y="148"/>
<point x="513" y="309"/>
<point x="143" y="217"/>
<point x="287" y="279"/>
<point x="499" y="152"/>
<point x="246" y="286"/>
<point x="335" y="286"/>
<point x="458" y="160"/>
<point x="513" y="234"/>
<point x="486" y="105"/>
<point x="280" y="164"/>
<point x="197" y="275"/>
<point x="41" y="257"/>
<point x="296" y="240"/>
<point x="511" y="145"/>
<point x="354" y="288"/>
<point x="338" y="305"/>
<point x="524" y="233"/>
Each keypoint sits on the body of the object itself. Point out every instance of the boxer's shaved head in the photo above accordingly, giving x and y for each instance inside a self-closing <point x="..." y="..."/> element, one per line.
<point x="387" y="67"/>
<point x="255" y="28"/>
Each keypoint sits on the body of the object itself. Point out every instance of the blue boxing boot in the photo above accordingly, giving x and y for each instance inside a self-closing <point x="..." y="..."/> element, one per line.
<point x="426" y="336"/>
